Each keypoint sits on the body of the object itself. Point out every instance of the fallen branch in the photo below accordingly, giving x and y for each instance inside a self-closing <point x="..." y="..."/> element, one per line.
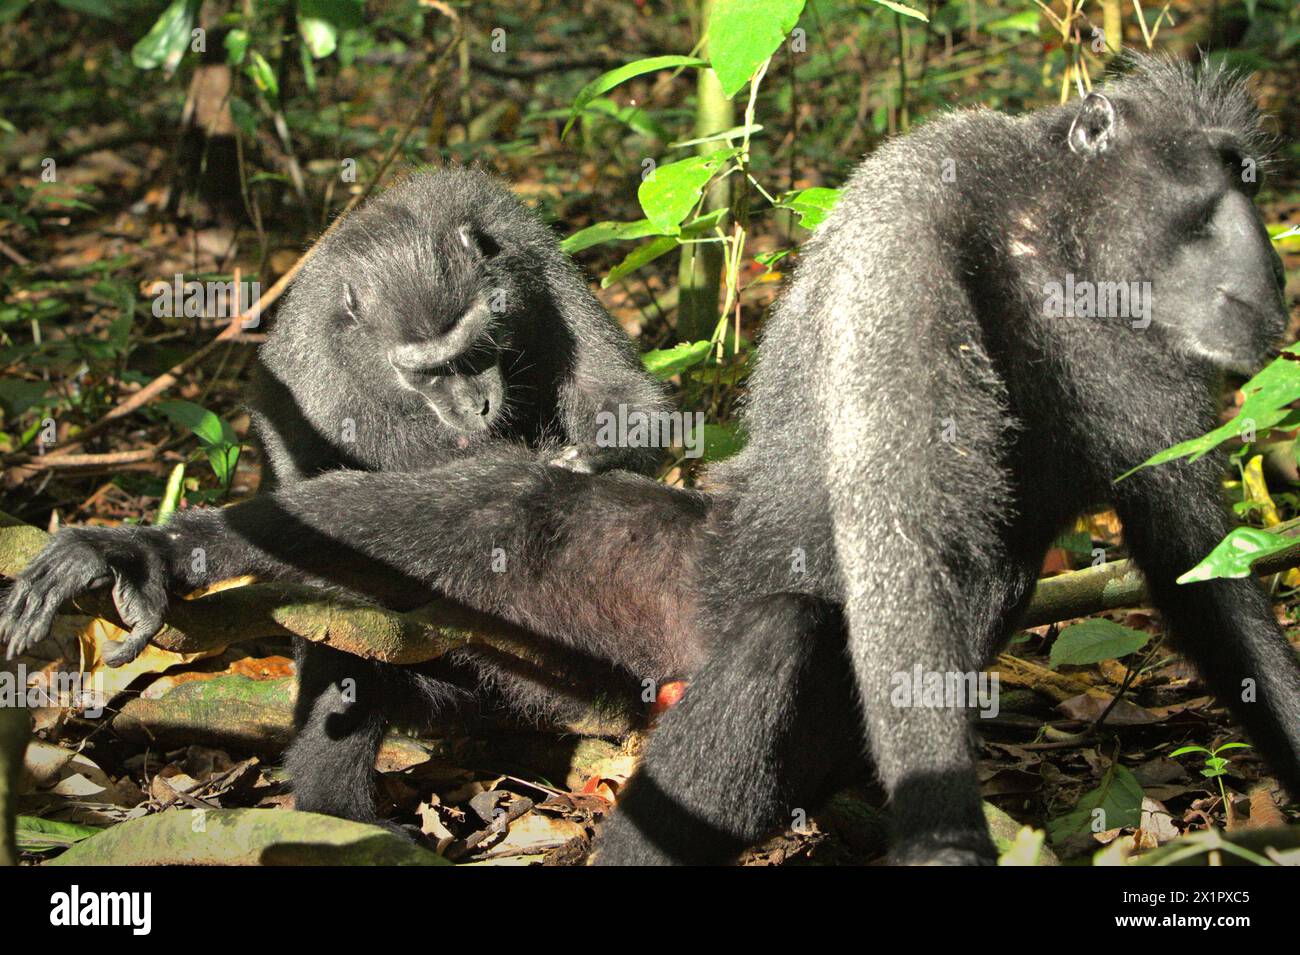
<point x="1119" y="584"/>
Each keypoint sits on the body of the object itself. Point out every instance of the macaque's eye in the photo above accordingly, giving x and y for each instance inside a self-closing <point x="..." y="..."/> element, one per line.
<point x="1243" y="169"/>
<point x="350" y="304"/>
<point x="477" y="241"/>
<point x="1201" y="220"/>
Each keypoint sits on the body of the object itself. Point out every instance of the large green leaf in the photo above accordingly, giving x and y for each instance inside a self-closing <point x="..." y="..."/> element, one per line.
<point x="668" y="196"/>
<point x="812" y="205"/>
<point x="1119" y="797"/>
<point x="666" y="362"/>
<point x="168" y="39"/>
<point x="744" y="33"/>
<point x="607" y="81"/>
<point x="1093" y="641"/>
<point x="603" y="232"/>
<point x="204" y="423"/>
<point x="1268" y="396"/>
<point x="1236" y="554"/>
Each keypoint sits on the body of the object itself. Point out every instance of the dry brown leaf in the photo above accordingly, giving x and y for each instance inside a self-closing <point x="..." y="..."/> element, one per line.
<point x="1264" y="812"/>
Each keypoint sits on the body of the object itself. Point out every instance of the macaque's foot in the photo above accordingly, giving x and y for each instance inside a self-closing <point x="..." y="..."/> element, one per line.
<point x="961" y="849"/>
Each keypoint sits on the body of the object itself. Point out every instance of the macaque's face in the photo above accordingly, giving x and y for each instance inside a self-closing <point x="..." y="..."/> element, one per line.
<point x="428" y="314"/>
<point x="467" y="392"/>
<point x="1182" y="220"/>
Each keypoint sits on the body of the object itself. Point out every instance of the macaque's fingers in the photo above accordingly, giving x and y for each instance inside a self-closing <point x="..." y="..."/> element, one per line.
<point x="572" y="458"/>
<point x="141" y="602"/>
<point x="67" y="568"/>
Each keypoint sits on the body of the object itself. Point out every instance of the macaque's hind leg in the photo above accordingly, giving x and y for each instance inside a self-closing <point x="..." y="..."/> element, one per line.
<point x="749" y="746"/>
<point x="340" y="719"/>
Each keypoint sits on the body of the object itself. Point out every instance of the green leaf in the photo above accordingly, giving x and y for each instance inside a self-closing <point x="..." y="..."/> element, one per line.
<point x="1093" y="641"/>
<point x="171" y="495"/>
<point x="812" y="205"/>
<point x="223" y="458"/>
<point x="640" y="256"/>
<point x="666" y="362"/>
<point x="236" y="44"/>
<point x="18" y="394"/>
<point x="168" y="39"/>
<point x="633" y="117"/>
<point x="673" y="190"/>
<point x="1026" y="21"/>
<point x="1236" y="554"/>
<point x="319" y="36"/>
<point x="619" y="75"/>
<point x="1268" y="396"/>
<point x="744" y="33"/>
<point x="1184" y="750"/>
<point x="722" y="441"/>
<point x="904" y="10"/>
<point x="40" y="835"/>
<point x="205" y="424"/>
<point x="603" y="232"/>
<point x="263" y="77"/>
<point x="650" y="251"/>
<point x="1119" y="797"/>
<point x="1287" y="236"/>
<point x="319" y="23"/>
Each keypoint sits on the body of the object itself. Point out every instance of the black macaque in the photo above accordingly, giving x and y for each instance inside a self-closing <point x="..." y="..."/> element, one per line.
<point x="438" y="320"/>
<point x="936" y="397"/>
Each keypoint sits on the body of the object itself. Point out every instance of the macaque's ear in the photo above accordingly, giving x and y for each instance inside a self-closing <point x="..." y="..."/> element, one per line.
<point x="478" y="241"/>
<point x="350" y="304"/>
<point x="1094" y="128"/>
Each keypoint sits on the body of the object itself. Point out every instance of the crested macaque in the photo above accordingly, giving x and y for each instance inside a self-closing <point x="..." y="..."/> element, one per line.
<point x="438" y="320"/>
<point x="923" y="420"/>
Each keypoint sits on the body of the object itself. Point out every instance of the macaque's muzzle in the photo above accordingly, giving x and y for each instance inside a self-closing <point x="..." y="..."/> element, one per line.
<point x="467" y="394"/>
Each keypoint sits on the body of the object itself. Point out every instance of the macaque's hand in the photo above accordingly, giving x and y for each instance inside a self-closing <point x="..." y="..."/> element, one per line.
<point x="573" y="457"/>
<point x="78" y="560"/>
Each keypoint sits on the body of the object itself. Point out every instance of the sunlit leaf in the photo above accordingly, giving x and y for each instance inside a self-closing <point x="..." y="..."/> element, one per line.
<point x="744" y="33"/>
<point x="607" y="81"/>
<point x="1236" y="554"/>
<point x="666" y="362"/>
<point x="168" y="39"/>
<point x="668" y="196"/>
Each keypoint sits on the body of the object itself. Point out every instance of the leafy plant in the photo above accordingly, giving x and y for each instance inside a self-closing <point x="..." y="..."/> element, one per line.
<point x="216" y="436"/>
<point x="1216" y="767"/>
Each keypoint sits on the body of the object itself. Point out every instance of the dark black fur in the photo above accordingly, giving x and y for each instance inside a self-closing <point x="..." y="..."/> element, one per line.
<point x="919" y="432"/>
